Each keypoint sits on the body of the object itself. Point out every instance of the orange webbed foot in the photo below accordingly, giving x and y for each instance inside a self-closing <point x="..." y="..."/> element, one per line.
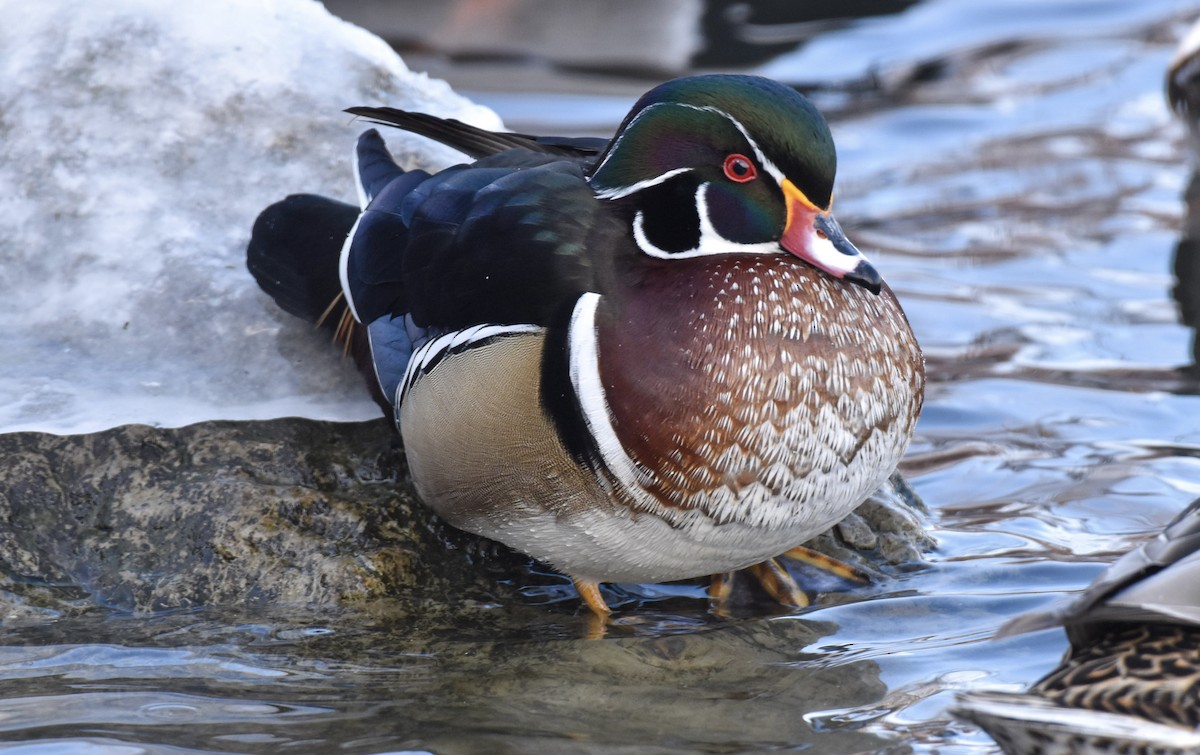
<point x="828" y="564"/>
<point x="599" y="612"/>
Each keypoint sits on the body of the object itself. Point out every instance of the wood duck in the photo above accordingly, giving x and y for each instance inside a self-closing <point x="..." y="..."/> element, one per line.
<point x="642" y="359"/>
<point x="1130" y="682"/>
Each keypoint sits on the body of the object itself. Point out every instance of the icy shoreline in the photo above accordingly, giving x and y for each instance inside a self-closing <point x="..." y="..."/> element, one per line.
<point x="138" y="142"/>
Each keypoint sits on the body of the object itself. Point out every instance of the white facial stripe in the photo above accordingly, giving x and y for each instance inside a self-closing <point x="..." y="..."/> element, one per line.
<point x="448" y="342"/>
<point x="584" y="370"/>
<point x="770" y="167"/>
<point x="710" y="243"/>
<point x="343" y="264"/>
<point x="617" y="143"/>
<point x="625" y="191"/>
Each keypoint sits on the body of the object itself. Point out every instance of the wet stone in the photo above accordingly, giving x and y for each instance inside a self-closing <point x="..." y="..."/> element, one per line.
<point x="856" y="533"/>
<point x="290" y="513"/>
<point x="886" y="532"/>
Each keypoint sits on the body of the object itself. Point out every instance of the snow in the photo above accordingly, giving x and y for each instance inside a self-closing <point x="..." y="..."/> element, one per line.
<point x="138" y="142"/>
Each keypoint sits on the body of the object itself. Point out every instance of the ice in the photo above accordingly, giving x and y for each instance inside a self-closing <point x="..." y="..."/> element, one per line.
<point x="138" y="141"/>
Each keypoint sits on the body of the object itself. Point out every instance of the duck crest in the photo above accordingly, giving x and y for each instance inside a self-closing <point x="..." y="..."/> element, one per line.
<point x="755" y="389"/>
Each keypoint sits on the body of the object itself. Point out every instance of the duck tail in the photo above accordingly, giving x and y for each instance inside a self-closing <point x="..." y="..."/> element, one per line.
<point x="294" y="254"/>
<point x="294" y="251"/>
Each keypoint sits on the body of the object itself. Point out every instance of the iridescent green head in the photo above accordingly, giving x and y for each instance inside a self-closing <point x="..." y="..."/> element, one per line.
<point x="724" y="164"/>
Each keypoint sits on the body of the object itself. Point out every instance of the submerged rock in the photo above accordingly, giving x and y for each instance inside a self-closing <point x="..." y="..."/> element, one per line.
<point x="283" y="513"/>
<point x="286" y="512"/>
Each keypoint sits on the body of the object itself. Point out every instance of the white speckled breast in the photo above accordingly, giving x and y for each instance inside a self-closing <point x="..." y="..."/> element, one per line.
<point x="758" y="391"/>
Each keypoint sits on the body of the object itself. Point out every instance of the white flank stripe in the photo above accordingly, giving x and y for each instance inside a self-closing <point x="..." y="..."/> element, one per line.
<point x="412" y="370"/>
<point x="584" y="368"/>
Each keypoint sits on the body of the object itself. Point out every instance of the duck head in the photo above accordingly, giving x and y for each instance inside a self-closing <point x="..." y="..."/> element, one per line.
<point x="729" y="164"/>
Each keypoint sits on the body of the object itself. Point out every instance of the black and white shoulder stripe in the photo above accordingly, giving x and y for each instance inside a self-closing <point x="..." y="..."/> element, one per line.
<point x="429" y="355"/>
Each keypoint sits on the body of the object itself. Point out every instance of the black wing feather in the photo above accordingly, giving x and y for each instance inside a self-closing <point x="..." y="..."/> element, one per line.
<point x="490" y="245"/>
<point x="374" y="164"/>
<point x="508" y="239"/>
<point x="478" y="142"/>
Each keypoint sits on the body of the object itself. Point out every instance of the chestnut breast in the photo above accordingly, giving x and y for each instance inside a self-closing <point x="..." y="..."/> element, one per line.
<point x="748" y="388"/>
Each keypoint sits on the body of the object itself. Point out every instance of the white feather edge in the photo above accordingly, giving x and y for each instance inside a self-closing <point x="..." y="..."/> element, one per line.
<point x="343" y="267"/>
<point x="360" y="188"/>
<point x="584" y="374"/>
<point x="364" y="199"/>
<point x="454" y="340"/>
<point x="1027" y="711"/>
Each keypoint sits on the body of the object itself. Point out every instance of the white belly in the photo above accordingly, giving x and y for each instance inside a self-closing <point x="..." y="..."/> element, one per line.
<point x="596" y="546"/>
<point x="613" y="544"/>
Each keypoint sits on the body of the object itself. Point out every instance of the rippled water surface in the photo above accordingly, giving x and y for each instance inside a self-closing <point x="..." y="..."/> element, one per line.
<point x="1014" y="171"/>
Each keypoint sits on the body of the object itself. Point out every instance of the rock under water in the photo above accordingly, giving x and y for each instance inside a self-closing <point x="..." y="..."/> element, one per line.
<point x="287" y="513"/>
<point x="290" y="512"/>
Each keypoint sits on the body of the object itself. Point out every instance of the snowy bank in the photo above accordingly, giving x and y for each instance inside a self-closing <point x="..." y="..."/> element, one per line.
<point x="138" y="141"/>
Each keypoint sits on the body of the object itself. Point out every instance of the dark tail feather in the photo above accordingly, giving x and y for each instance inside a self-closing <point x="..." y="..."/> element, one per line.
<point x="477" y="142"/>
<point x="293" y="253"/>
<point x="294" y="250"/>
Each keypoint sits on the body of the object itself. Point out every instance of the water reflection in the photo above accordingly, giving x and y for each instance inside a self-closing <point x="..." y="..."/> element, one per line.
<point x="1183" y="89"/>
<point x="1187" y="269"/>
<point x="129" y="708"/>
<point x="736" y="685"/>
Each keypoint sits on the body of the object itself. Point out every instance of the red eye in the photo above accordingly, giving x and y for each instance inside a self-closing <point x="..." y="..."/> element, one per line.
<point x="739" y="168"/>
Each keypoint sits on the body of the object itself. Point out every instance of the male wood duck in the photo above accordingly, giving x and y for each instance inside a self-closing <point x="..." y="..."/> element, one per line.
<point x="1130" y="682"/>
<point x="645" y="359"/>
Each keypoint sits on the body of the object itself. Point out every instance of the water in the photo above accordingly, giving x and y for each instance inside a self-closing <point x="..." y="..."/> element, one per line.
<point x="1017" y="178"/>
